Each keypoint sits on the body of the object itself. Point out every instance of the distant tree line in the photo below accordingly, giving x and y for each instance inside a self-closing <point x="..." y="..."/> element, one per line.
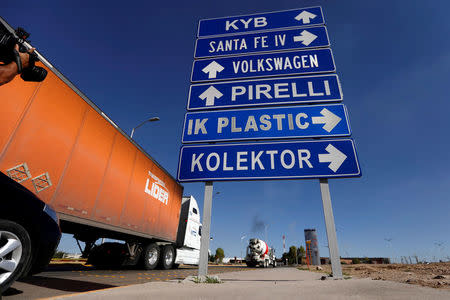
<point x="295" y="255"/>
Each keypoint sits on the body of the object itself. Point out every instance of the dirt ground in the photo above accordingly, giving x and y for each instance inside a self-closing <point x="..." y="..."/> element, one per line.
<point x="436" y="275"/>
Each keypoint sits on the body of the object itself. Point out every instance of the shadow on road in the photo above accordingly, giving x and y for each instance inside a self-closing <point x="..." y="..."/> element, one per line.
<point x="11" y="292"/>
<point x="67" y="267"/>
<point x="67" y="285"/>
<point x="268" y="280"/>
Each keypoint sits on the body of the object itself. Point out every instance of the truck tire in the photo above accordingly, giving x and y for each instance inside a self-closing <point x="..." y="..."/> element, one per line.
<point x="15" y="252"/>
<point x="167" y="257"/>
<point x="274" y="264"/>
<point x="151" y="256"/>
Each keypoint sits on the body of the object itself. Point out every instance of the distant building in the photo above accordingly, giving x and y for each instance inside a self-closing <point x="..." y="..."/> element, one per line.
<point x="312" y="246"/>
<point x="72" y="255"/>
<point x="233" y="260"/>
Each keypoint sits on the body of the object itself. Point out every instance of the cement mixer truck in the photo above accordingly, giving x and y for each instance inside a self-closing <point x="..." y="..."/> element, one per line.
<point x="259" y="254"/>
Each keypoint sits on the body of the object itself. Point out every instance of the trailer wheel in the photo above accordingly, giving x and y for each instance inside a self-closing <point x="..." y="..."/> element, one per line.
<point x="15" y="252"/>
<point x="151" y="256"/>
<point x="167" y="257"/>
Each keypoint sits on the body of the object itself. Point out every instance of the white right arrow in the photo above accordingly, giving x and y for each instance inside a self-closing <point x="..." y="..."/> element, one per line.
<point x="212" y="69"/>
<point x="329" y="119"/>
<point x="210" y="95"/>
<point x="305" y="16"/>
<point x="334" y="157"/>
<point x="305" y="37"/>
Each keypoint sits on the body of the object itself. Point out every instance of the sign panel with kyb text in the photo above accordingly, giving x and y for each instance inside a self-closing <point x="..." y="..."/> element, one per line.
<point x="270" y="91"/>
<point x="262" y="65"/>
<point x="262" y="21"/>
<point x="276" y="160"/>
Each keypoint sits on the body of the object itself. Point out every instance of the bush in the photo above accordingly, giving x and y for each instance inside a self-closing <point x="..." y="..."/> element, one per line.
<point x="356" y="261"/>
<point x="220" y="254"/>
<point x="207" y="279"/>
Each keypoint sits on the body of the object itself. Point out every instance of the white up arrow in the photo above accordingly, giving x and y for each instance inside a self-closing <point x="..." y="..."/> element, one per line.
<point x="210" y="95"/>
<point x="329" y="119"/>
<point x="334" y="157"/>
<point x="212" y="69"/>
<point x="305" y="37"/>
<point x="305" y="16"/>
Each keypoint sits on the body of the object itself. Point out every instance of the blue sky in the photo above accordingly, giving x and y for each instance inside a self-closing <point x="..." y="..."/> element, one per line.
<point x="133" y="59"/>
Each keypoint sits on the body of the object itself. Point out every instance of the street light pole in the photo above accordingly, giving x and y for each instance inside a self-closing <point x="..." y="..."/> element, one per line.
<point x="242" y="238"/>
<point x="152" y="119"/>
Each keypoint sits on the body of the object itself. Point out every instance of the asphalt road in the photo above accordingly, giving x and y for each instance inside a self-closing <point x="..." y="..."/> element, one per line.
<point x="64" y="279"/>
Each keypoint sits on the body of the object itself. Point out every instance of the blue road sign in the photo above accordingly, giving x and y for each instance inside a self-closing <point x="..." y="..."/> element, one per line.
<point x="266" y="123"/>
<point x="262" y="21"/>
<point x="256" y="92"/>
<point x="267" y="41"/>
<point x="277" y="160"/>
<point x="261" y="65"/>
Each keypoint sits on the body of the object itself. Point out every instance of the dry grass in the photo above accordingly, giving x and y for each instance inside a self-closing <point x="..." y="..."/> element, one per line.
<point x="436" y="275"/>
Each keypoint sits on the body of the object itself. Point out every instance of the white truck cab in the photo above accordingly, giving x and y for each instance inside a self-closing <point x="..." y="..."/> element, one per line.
<point x="189" y="233"/>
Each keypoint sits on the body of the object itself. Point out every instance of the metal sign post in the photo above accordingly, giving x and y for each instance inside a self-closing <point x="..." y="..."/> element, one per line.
<point x="204" y="246"/>
<point x="331" y="229"/>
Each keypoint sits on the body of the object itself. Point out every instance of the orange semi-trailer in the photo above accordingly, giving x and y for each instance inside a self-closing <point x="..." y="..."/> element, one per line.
<point x="57" y="144"/>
